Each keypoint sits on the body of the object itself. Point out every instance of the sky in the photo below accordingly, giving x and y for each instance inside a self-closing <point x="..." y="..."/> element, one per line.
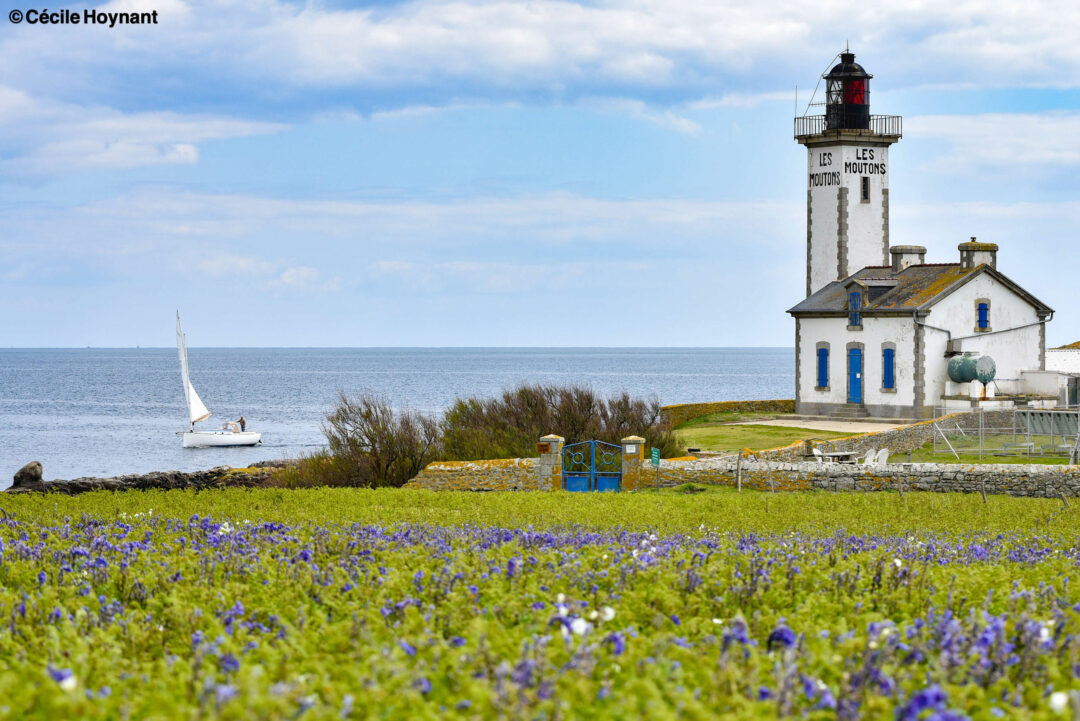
<point x="467" y="173"/>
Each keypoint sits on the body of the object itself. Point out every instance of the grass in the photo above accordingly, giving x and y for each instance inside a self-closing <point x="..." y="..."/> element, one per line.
<point x="730" y="438"/>
<point x="670" y="511"/>
<point x="967" y="448"/>
<point x="341" y="603"/>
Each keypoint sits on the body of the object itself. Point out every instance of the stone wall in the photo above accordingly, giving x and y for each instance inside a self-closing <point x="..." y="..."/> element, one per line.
<point x="778" y="469"/>
<point x="506" y="474"/>
<point x="681" y="413"/>
<point x="1008" y="479"/>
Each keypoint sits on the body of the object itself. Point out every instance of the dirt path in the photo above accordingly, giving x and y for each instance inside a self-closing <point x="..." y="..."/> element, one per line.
<point x="835" y="426"/>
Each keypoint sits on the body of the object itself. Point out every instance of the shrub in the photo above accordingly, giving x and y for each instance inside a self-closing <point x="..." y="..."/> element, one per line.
<point x="377" y="445"/>
<point x="370" y="446"/>
<point x="510" y="425"/>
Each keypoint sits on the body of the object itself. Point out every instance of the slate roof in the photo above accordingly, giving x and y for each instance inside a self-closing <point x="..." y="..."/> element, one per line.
<point x="915" y="287"/>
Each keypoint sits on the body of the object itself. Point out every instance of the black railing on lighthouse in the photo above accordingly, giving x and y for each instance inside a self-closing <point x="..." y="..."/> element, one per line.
<point x="807" y="125"/>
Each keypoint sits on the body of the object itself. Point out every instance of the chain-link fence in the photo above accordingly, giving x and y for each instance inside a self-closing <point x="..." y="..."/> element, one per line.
<point x="986" y="435"/>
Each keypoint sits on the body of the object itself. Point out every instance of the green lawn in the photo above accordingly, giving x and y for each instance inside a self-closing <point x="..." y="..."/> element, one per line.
<point x="726" y="437"/>
<point x="970" y="454"/>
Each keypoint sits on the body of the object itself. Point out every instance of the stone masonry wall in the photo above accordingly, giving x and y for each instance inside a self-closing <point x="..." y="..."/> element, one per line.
<point x="506" y="474"/>
<point x="1008" y="479"/>
<point x="779" y="469"/>
<point x="681" y="413"/>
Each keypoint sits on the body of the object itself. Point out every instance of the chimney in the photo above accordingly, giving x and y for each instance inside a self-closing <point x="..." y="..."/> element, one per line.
<point x="974" y="254"/>
<point x="905" y="255"/>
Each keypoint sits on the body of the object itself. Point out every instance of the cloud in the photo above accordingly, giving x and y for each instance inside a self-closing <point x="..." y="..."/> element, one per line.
<point x="284" y="53"/>
<point x="743" y="100"/>
<point x="223" y="265"/>
<point x="306" y="278"/>
<point x="41" y="136"/>
<point x="1001" y="139"/>
<point x="638" y="109"/>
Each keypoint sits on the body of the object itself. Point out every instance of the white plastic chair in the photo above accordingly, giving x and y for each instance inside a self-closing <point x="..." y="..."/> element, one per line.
<point x="882" y="457"/>
<point x="870" y="456"/>
<point x="817" y="455"/>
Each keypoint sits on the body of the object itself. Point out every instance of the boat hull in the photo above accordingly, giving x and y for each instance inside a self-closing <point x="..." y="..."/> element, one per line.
<point x="203" y="439"/>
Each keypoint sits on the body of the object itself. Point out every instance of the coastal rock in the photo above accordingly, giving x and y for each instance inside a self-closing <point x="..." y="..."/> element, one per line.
<point x="28" y="474"/>
<point x="219" y="477"/>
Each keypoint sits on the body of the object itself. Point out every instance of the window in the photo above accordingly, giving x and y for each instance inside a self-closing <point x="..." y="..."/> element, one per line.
<point x="983" y="317"/>
<point x="865" y="189"/>
<point x="822" y="367"/>
<point x="854" y="304"/>
<point x="888" y="361"/>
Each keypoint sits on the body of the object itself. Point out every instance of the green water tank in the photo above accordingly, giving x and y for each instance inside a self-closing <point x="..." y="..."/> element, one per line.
<point x="967" y="368"/>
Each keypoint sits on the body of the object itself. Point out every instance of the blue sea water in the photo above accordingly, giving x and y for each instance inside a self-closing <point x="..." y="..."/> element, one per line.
<point x="104" y="412"/>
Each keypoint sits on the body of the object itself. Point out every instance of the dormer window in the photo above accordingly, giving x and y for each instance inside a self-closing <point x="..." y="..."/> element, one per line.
<point x="854" y="308"/>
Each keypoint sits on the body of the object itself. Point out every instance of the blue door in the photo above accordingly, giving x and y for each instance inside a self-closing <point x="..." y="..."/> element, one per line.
<point x="592" y="466"/>
<point x="854" y="367"/>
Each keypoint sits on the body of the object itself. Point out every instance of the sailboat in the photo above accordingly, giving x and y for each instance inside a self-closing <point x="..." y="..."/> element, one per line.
<point x="197" y="411"/>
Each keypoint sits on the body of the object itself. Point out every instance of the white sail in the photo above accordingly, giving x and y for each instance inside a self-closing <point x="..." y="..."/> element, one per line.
<point x="197" y="411"/>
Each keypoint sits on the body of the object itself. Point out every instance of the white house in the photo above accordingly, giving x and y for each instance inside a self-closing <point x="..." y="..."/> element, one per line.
<point x="878" y="326"/>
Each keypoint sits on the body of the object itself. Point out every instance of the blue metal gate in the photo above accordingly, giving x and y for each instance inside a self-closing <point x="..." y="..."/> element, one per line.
<point x="592" y="466"/>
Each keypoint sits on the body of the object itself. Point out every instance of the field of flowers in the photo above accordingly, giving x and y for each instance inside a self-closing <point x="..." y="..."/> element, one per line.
<point x="343" y="603"/>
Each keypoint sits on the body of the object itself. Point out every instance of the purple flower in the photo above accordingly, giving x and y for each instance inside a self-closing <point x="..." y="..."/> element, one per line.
<point x="781" y="637"/>
<point x="764" y="693"/>
<point x="456" y="641"/>
<point x="423" y="685"/>
<point x="223" y="692"/>
<point x="675" y="620"/>
<point x="229" y="664"/>
<point x="60" y="674"/>
<point x="407" y="647"/>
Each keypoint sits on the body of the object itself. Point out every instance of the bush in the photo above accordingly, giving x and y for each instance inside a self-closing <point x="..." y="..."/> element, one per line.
<point x="510" y="425"/>
<point x="370" y="446"/>
<point x="378" y="446"/>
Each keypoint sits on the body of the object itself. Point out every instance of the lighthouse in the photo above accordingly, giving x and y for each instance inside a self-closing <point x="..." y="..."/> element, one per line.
<point x="847" y="187"/>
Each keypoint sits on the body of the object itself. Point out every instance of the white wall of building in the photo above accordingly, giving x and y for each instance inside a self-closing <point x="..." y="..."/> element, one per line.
<point x="1013" y="351"/>
<point x="875" y="332"/>
<point x="1064" y="360"/>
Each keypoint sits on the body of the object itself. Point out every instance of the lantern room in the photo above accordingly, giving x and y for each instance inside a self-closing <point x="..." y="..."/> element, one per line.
<point x="847" y="95"/>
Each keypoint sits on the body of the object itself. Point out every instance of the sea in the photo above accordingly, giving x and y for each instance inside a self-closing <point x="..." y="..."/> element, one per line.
<point x="114" y="411"/>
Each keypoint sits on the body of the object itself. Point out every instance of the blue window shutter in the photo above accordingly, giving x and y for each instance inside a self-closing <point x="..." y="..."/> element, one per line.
<point x="823" y="367"/>
<point x="984" y="316"/>
<point x="854" y="304"/>
<point x="888" y="357"/>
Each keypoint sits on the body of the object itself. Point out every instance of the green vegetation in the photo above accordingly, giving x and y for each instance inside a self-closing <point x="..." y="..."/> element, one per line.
<point x="730" y="438"/>
<point x="341" y="603"/>
<point x="372" y="445"/>
<point x="996" y="451"/>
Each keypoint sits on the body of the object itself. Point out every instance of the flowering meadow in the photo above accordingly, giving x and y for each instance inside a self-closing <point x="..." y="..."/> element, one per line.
<point x="344" y="603"/>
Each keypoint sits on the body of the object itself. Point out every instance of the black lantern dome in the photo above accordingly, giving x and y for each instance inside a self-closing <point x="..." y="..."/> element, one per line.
<point x="847" y="95"/>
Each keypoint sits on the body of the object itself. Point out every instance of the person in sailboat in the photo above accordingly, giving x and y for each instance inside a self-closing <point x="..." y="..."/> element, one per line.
<point x="243" y="424"/>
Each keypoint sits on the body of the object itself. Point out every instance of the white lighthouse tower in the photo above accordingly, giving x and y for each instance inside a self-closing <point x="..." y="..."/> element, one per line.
<point x="847" y="191"/>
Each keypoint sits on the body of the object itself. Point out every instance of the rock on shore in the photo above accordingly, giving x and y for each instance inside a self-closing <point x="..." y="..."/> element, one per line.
<point x="28" y="479"/>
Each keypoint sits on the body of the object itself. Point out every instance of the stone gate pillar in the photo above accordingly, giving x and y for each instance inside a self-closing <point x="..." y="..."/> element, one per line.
<point x="633" y="461"/>
<point x="549" y="467"/>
